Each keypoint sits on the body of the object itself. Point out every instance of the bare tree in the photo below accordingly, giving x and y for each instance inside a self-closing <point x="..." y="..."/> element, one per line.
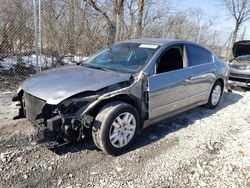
<point x="131" y="14"/>
<point x="201" y="23"/>
<point x="240" y="11"/>
<point x="154" y="17"/>
<point x="15" y="31"/>
<point x="117" y="9"/>
<point x="80" y="28"/>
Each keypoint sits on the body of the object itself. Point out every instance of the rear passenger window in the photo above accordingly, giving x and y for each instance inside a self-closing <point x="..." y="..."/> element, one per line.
<point x="198" y="56"/>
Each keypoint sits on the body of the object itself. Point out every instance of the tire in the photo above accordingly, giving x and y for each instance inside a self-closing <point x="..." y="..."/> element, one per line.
<point x="112" y="136"/>
<point x="215" y="95"/>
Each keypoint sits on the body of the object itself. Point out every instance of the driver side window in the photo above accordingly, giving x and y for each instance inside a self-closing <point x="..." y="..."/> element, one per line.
<point x="172" y="59"/>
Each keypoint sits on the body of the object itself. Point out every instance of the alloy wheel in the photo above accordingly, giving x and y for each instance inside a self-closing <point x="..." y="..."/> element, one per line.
<point x="122" y="130"/>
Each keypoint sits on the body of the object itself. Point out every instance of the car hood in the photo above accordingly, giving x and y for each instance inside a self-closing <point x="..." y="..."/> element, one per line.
<point x="241" y="48"/>
<point x="239" y="66"/>
<point x="58" y="84"/>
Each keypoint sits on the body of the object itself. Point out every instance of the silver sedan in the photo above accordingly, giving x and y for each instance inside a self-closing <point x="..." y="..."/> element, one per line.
<point x="121" y="89"/>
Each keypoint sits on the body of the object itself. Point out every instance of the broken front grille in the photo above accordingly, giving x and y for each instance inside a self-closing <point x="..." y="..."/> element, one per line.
<point x="33" y="106"/>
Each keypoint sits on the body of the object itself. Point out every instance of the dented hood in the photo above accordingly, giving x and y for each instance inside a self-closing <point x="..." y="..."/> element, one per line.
<point x="58" y="84"/>
<point x="241" y="48"/>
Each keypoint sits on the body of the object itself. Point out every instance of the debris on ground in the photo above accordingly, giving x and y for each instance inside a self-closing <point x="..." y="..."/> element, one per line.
<point x="198" y="148"/>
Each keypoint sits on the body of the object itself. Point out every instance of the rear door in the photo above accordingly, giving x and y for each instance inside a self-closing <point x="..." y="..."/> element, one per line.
<point x="203" y="68"/>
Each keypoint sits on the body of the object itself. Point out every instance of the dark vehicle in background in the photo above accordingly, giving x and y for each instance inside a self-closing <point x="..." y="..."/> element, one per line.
<point x="240" y="64"/>
<point x="121" y="89"/>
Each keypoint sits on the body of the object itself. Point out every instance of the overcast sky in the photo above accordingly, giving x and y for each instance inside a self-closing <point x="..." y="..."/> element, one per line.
<point x="214" y="10"/>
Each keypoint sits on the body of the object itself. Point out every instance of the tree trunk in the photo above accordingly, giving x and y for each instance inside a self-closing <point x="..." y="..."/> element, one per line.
<point x="131" y="29"/>
<point x="118" y="9"/>
<point x="140" y="17"/>
<point x="121" y="20"/>
<point x="234" y="38"/>
<point x="111" y="34"/>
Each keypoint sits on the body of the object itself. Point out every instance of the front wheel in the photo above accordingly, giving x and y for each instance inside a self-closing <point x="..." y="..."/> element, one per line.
<point x="115" y="127"/>
<point x="215" y="95"/>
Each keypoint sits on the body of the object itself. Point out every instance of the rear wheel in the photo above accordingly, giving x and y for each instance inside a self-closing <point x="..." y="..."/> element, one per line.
<point x="215" y="95"/>
<point x="115" y="127"/>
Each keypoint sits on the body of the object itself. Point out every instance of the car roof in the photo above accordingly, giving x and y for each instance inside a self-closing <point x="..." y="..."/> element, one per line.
<point x="163" y="41"/>
<point x="159" y="41"/>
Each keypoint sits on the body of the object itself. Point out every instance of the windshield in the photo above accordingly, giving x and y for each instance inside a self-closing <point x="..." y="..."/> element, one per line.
<point x="244" y="58"/>
<point x="123" y="57"/>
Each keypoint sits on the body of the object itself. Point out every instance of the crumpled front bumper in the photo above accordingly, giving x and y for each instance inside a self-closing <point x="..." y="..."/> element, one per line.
<point x="50" y="128"/>
<point x="46" y="129"/>
<point x="50" y="135"/>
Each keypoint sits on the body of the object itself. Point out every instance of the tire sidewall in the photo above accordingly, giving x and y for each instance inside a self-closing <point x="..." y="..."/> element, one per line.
<point x="210" y="104"/>
<point x="106" y="125"/>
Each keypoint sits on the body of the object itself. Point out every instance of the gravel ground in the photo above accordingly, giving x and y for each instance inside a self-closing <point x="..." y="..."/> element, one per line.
<point x="198" y="148"/>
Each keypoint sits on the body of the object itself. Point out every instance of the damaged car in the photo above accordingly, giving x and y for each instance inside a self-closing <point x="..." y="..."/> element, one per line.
<point x="120" y="90"/>
<point x="240" y="64"/>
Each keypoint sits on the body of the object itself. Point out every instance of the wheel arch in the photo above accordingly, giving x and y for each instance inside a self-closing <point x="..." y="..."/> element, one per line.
<point x="122" y="98"/>
<point x="221" y="81"/>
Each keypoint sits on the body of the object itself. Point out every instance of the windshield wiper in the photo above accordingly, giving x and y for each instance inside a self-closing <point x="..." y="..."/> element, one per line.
<point x="94" y="67"/>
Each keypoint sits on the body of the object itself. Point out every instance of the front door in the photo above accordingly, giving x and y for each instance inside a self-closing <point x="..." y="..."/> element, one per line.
<point x="168" y="87"/>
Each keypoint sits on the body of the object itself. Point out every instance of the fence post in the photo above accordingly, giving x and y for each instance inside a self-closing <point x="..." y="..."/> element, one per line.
<point x="229" y="47"/>
<point x="40" y="35"/>
<point x="243" y="34"/>
<point x="214" y="38"/>
<point x="199" y="34"/>
<point x="36" y="34"/>
<point x="117" y="28"/>
<point x="37" y="25"/>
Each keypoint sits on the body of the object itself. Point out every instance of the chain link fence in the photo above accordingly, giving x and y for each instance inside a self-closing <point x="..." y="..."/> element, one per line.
<point x="39" y="35"/>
